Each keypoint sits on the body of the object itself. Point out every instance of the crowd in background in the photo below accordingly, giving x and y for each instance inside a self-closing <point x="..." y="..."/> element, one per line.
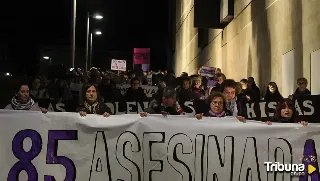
<point x="224" y="97"/>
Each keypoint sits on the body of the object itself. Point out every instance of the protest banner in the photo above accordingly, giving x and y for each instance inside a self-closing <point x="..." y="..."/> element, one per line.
<point x="148" y="90"/>
<point x="118" y="65"/>
<point x="65" y="146"/>
<point x="141" y="56"/>
<point x="307" y="107"/>
<point x="208" y="71"/>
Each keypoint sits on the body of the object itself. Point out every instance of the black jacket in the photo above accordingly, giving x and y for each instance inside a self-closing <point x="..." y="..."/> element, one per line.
<point x="100" y="109"/>
<point x="161" y="109"/>
<point x="135" y="95"/>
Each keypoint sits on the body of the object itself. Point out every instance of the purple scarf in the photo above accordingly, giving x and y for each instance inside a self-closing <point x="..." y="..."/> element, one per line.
<point x="212" y="114"/>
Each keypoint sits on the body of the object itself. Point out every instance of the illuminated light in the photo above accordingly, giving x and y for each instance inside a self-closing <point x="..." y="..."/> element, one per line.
<point x="98" y="17"/>
<point x="98" y="33"/>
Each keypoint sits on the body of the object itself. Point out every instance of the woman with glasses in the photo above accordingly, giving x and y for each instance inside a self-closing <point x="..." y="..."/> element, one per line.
<point x="217" y="107"/>
<point x="302" y="88"/>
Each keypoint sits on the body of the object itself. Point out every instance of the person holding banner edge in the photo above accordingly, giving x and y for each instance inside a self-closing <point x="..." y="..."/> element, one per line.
<point x="92" y="103"/>
<point x="167" y="106"/>
<point x="22" y="101"/>
<point x="286" y="113"/>
<point x="217" y="107"/>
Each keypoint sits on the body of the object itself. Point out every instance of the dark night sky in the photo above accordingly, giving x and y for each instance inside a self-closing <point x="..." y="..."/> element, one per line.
<point x="126" y="24"/>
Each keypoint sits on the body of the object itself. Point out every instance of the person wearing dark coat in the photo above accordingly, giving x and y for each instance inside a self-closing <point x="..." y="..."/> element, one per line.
<point x="92" y="103"/>
<point x="135" y="92"/>
<point x="273" y="94"/>
<point x="254" y="87"/>
<point x="217" y="107"/>
<point x="168" y="105"/>
<point x="247" y="93"/>
<point x="302" y="88"/>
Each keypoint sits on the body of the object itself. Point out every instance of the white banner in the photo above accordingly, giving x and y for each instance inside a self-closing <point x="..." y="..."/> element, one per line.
<point x="149" y="90"/>
<point x="64" y="146"/>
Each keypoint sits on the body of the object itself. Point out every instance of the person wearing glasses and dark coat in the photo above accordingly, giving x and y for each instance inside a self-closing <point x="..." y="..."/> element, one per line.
<point x="302" y="88"/>
<point x="217" y="107"/>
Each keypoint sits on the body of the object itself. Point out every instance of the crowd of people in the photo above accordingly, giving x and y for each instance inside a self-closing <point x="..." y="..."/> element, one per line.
<point x="224" y="97"/>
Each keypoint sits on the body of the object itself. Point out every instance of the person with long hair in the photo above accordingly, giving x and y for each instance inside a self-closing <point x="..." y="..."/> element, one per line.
<point x="92" y="103"/>
<point x="22" y="101"/>
<point x="286" y="113"/>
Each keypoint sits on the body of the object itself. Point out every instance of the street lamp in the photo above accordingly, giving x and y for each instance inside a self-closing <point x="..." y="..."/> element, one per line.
<point x="97" y="32"/>
<point x="47" y="58"/>
<point x="98" y="17"/>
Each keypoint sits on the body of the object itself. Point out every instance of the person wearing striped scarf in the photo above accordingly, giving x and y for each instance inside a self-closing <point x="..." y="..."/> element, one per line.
<point x="23" y="101"/>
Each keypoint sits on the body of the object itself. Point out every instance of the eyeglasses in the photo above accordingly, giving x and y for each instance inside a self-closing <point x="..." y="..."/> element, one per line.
<point x="301" y="83"/>
<point x="217" y="103"/>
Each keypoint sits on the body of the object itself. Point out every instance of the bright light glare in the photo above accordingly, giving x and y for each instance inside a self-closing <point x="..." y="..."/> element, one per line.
<point x="46" y="57"/>
<point x="98" y="17"/>
<point x="98" y="32"/>
<point x="7" y="74"/>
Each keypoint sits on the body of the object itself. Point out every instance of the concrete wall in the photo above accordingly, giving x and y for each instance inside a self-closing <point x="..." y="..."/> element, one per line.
<point x="254" y="42"/>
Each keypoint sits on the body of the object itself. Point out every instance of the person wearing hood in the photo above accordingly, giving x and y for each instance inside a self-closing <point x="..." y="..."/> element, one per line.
<point x="273" y="94"/>
<point x="254" y="87"/>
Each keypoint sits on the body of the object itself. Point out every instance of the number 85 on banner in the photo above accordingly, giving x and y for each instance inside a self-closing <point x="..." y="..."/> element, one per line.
<point x="25" y="158"/>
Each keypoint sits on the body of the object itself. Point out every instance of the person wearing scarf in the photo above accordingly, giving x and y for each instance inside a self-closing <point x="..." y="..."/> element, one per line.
<point x="23" y="101"/>
<point x="217" y="107"/>
<point x="92" y="103"/>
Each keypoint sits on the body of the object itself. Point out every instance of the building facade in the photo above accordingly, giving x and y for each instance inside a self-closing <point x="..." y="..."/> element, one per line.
<point x="270" y="40"/>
